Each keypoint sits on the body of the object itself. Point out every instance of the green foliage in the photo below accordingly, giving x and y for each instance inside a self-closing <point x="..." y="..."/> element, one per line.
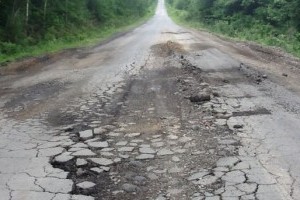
<point x="56" y="22"/>
<point x="271" y="22"/>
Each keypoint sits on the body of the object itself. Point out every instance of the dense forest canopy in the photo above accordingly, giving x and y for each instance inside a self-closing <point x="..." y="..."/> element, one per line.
<point x="275" y="22"/>
<point x="28" y="22"/>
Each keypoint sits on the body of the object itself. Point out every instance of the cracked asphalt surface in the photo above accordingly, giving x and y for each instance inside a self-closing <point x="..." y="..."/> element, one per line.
<point x="161" y="112"/>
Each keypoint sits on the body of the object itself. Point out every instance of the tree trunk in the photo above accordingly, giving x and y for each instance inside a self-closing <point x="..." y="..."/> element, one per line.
<point x="27" y="13"/>
<point x="66" y="17"/>
<point x="45" y="11"/>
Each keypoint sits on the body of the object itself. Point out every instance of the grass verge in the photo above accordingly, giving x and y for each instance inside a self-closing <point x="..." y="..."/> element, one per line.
<point x="259" y="33"/>
<point x="84" y="37"/>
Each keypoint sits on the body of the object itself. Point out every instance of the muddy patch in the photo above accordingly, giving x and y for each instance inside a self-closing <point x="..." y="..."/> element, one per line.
<point x="32" y="95"/>
<point x="167" y="49"/>
<point x="200" y="46"/>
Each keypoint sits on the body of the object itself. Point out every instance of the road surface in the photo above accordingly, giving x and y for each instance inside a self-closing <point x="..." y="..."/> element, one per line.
<point x="161" y="112"/>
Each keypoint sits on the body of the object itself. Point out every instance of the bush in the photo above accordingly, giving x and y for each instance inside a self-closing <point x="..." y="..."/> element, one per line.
<point x="8" y="48"/>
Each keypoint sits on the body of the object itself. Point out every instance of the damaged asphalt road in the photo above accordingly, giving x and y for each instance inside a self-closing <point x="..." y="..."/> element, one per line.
<point x="159" y="113"/>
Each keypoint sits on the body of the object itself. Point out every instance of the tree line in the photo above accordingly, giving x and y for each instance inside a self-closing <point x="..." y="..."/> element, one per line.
<point x="272" y="21"/>
<point x="27" y="22"/>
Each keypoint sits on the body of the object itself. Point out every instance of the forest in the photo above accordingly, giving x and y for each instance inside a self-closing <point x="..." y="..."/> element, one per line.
<point x="270" y="22"/>
<point x="35" y="26"/>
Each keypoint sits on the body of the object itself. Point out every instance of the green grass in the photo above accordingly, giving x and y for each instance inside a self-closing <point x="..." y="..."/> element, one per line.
<point x="84" y="37"/>
<point x="241" y="30"/>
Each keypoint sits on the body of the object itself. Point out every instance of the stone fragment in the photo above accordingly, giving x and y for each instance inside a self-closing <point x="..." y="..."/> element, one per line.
<point x="164" y="152"/>
<point x="125" y="149"/>
<point x="84" y="152"/>
<point x="175" y="159"/>
<point x="152" y="176"/>
<point x="173" y="137"/>
<point x="97" y="170"/>
<point x="63" y="158"/>
<point x="50" y="152"/>
<point x="147" y="150"/>
<point x="86" y="185"/>
<point x="79" y="145"/>
<point x="103" y="144"/>
<point x="81" y="197"/>
<point x="99" y="131"/>
<point x="81" y="162"/>
<point x="131" y="135"/>
<point x="122" y="143"/>
<point x="139" y="180"/>
<point x="158" y="144"/>
<point x="106" y="169"/>
<point x="130" y="188"/>
<point x="85" y="135"/>
<point x="102" y="161"/>
<point x="144" y="156"/>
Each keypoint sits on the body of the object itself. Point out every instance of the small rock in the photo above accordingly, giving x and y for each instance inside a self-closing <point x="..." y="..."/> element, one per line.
<point x="86" y="185"/>
<point x="132" y="135"/>
<point x="130" y="188"/>
<point x="147" y="150"/>
<point x="63" y="158"/>
<point x="81" y="162"/>
<point x="265" y="76"/>
<point x="98" y="144"/>
<point x="99" y="131"/>
<point x="97" y="170"/>
<point x="125" y="156"/>
<point x="79" y="145"/>
<point x="152" y="176"/>
<point x="102" y="161"/>
<point x="139" y="180"/>
<point x="202" y="97"/>
<point x="285" y="75"/>
<point x="145" y="156"/>
<point x="126" y="149"/>
<point x="175" y="159"/>
<point x="80" y="172"/>
<point x="106" y="169"/>
<point x="122" y="143"/>
<point x="84" y="152"/>
<point x="87" y="134"/>
<point x="164" y="152"/>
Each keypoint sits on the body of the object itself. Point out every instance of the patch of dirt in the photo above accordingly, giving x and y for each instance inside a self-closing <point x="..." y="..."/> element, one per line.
<point x="33" y="64"/>
<point x="167" y="49"/>
<point x="36" y="92"/>
<point x="201" y="46"/>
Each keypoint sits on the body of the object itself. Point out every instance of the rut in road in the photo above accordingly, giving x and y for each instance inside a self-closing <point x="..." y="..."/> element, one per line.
<point x="155" y="139"/>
